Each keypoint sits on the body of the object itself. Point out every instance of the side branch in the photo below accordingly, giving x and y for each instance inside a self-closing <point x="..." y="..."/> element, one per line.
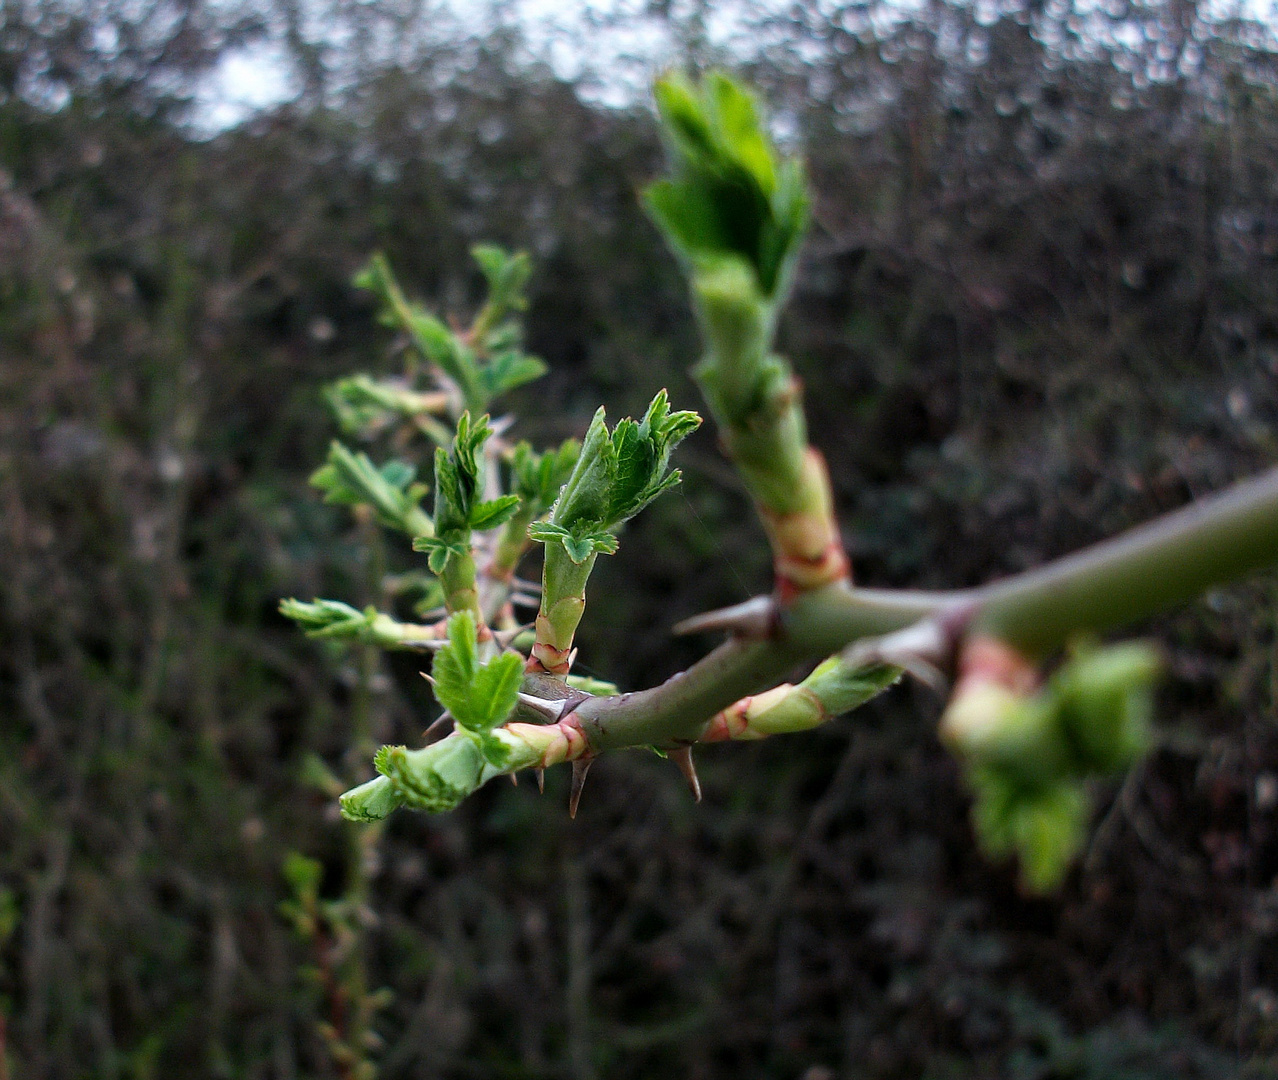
<point x="1154" y="566"/>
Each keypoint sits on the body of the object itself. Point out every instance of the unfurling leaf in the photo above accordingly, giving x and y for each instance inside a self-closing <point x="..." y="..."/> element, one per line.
<point x="459" y="480"/>
<point x="488" y="515"/>
<point x="435" y="778"/>
<point x="365" y="406"/>
<point x="323" y="618"/>
<point x="351" y="479"/>
<point x="371" y="801"/>
<point x="732" y="196"/>
<point x="616" y="475"/>
<point x="537" y="478"/>
<point x="459" y="476"/>
<point x="333" y="620"/>
<point x="1106" y="701"/>
<point x="487" y="361"/>
<point x="1043" y="826"/>
<point x="478" y="696"/>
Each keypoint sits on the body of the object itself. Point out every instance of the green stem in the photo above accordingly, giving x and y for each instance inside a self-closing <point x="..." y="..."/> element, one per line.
<point x="834" y="687"/>
<point x="494" y="587"/>
<point x="758" y="405"/>
<point x="563" y="601"/>
<point x="1159" y="565"/>
<point x="461" y="592"/>
<point x="512" y="544"/>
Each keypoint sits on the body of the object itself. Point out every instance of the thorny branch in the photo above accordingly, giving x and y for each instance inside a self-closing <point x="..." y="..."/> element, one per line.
<point x="734" y="212"/>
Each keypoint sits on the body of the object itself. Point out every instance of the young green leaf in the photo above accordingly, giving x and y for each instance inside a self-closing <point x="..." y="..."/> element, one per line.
<point x="731" y="195"/>
<point x="579" y="543"/>
<point x="493" y="692"/>
<point x="478" y="696"/>
<point x="507" y="370"/>
<point x="435" y="778"/>
<point x="454" y="665"/>
<point x="507" y="274"/>
<point x="365" y="406"/>
<point x="1105" y="700"/>
<point x="537" y="478"/>
<point x="440" y="549"/>
<point x="459" y="480"/>
<point x="351" y="479"/>
<point x="488" y="515"/>
<point x="616" y="475"/>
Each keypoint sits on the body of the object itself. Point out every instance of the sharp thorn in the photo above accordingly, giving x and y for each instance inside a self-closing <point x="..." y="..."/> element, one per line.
<point x="921" y="649"/>
<point x="928" y="674"/>
<point x="754" y="618"/>
<point x="544" y="707"/>
<point x="580" y="767"/>
<point x="682" y="756"/>
<point x="427" y="676"/>
<point x="429" y="644"/>
<point x="505" y="637"/>
<point x="541" y="781"/>
<point x="500" y="425"/>
<point x="572" y="658"/>
<point x="443" y="718"/>
<point x="514" y="780"/>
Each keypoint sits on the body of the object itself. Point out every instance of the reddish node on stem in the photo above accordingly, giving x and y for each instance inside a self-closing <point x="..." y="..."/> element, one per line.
<point x="985" y="659"/>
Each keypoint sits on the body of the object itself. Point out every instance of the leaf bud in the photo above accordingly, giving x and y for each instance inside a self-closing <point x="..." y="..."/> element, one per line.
<point x="1105" y="701"/>
<point x="371" y="801"/>
<point x="995" y="718"/>
<point x="437" y="777"/>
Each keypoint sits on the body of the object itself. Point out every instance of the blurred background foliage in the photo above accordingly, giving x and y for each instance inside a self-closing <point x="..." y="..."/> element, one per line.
<point x="1040" y="305"/>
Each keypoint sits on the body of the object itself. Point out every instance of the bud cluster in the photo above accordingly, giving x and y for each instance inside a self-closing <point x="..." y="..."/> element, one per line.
<point x="1029" y="749"/>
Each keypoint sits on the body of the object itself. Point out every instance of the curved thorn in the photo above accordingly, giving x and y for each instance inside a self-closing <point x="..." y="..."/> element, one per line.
<point x="580" y="767"/>
<point x="754" y="618"/>
<point x="514" y="780"/>
<point x="552" y="711"/>
<point x="682" y="756"/>
<point x="541" y="781"/>
<point x="927" y="673"/>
